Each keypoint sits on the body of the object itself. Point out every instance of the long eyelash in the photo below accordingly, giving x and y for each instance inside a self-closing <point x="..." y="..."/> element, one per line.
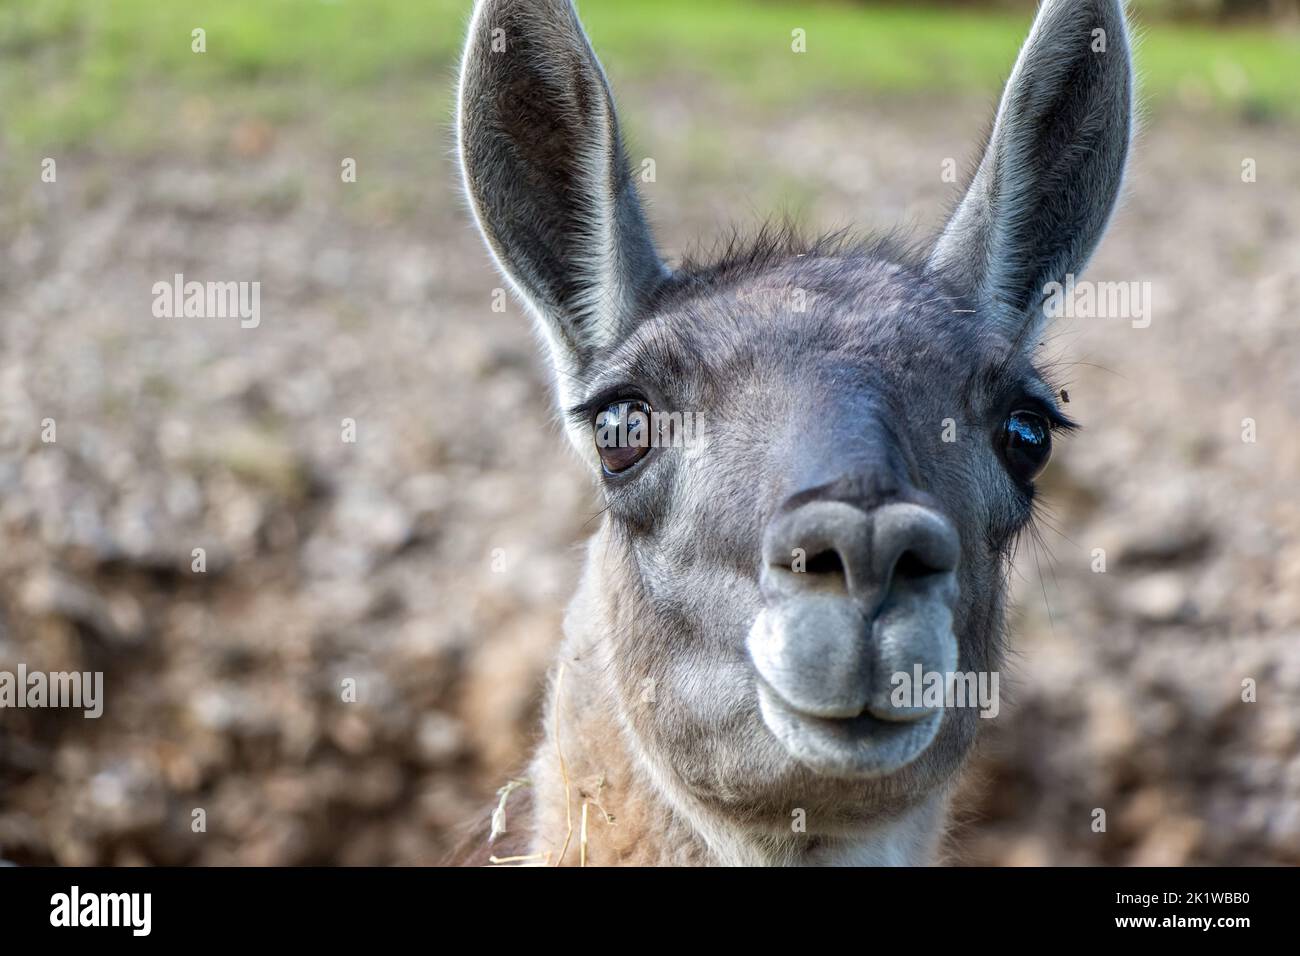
<point x="1052" y="376"/>
<point x="585" y="413"/>
<point x="1057" y="421"/>
<point x="580" y="414"/>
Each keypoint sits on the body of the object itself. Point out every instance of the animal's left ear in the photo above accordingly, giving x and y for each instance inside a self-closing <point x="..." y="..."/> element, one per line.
<point x="1050" y="176"/>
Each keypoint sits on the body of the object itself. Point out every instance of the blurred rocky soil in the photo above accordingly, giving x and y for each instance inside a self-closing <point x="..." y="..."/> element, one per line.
<point x="429" y="560"/>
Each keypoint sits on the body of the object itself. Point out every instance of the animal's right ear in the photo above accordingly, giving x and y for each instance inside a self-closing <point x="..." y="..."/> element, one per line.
<point x="547" y="176"/>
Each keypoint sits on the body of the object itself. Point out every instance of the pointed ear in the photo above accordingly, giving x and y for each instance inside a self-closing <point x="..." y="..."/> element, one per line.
<point x="1050" y="176"/>
<point x="548" y="179"/>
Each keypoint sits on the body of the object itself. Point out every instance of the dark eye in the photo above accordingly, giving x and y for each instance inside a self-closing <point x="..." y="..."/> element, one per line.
<point x="1026" y="444"/>
<point x="622" y="434"/>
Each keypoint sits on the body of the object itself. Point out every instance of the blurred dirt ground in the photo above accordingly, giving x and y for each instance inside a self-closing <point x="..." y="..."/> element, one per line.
<point x="374" y="561"/>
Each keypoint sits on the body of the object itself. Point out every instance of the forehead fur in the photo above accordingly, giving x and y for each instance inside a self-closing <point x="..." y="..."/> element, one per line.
<point x="777" y="300"/>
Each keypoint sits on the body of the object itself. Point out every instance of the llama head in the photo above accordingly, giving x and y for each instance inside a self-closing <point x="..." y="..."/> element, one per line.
<point x="815" y="458"/>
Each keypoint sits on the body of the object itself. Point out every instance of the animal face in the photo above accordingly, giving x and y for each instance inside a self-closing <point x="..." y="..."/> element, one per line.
<point x="815" y="456"/>
<point x="859" y="470"/>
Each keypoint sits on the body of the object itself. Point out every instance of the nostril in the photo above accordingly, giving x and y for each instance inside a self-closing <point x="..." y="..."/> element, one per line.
<point x="913" y="543"/>
<point x="911" y="566"/>
<point x="826" y="563"/>
<point x="801" y="574"/>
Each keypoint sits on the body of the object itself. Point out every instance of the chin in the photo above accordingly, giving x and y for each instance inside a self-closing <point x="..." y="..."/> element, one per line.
<point x="865" y="747"/>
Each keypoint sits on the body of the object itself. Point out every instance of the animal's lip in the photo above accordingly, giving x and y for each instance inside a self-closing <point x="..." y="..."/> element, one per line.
<point x="868" y="745"/>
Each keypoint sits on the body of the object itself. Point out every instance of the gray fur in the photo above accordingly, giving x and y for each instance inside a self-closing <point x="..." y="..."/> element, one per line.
<point x="824" y="432"/>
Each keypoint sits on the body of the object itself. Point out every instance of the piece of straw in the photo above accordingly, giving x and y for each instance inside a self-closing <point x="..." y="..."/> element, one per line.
<point x="582" y="841"/>
<point x="499" y="814"/>
<point x="564" y="770"/>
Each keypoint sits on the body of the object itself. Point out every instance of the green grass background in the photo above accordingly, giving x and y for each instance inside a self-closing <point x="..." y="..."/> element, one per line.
<point x="85" y="73"/>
